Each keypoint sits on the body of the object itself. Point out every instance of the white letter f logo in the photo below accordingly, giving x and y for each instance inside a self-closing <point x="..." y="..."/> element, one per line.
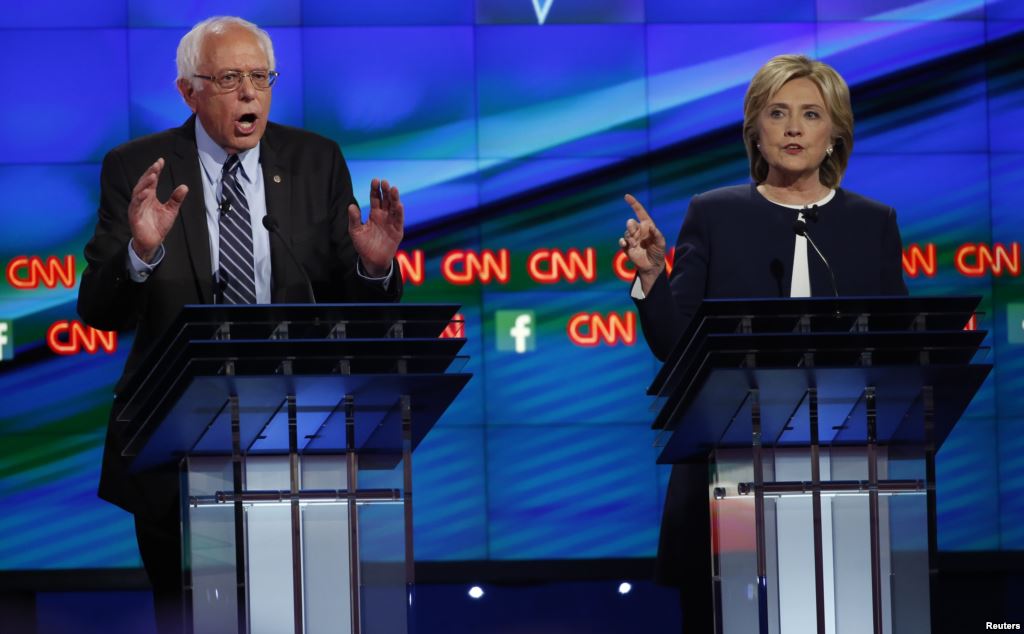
<point x="521" y="332"/>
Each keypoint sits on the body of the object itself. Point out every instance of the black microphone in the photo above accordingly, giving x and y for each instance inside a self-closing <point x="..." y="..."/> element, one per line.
<point x="220" y="284"/>
<point x="270" y="223"/>
<point x="800" y="227"/>
<point x="225" y="206"/>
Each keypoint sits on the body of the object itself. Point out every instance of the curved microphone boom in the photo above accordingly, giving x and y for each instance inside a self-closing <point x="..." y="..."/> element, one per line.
<point x="800" y="228"/>
<point x="270" y="224"/>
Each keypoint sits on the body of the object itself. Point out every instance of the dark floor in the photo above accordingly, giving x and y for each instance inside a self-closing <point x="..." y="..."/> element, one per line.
<point x="973" y="590"/>
<point x="592" y="607"/>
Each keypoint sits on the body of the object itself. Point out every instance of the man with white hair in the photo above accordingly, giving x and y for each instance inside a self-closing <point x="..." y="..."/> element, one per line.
<point x="181" y="222"/>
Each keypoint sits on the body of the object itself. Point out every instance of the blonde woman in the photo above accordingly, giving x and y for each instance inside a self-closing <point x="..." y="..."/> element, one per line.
<point x="740" y="242"/>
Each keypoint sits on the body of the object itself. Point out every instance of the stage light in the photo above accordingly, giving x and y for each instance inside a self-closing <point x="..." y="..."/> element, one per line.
<point x="476" y="592"/>
<point x="625" y="587"/>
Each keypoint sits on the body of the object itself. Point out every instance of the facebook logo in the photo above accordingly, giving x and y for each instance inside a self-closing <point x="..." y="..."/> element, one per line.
<point x="6" y="340"/>
<point x="516" y="330"/>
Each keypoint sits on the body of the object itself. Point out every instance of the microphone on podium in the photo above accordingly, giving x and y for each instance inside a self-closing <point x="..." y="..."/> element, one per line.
<point x="270" y="224"/>
<point x="800" y="228"/>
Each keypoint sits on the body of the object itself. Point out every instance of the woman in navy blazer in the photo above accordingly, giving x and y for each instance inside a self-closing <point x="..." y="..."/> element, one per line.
<point x="740" y="242"/>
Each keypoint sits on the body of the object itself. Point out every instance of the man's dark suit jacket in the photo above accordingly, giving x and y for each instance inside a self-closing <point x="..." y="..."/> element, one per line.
<point x="308" y="190"/>
<point x="734" y="243"/>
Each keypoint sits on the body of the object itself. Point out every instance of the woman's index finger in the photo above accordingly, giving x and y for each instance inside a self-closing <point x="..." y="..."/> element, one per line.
<point x="638" y="209"/>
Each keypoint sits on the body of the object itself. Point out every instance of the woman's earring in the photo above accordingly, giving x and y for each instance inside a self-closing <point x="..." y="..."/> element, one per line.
<point x="828" y="150"/>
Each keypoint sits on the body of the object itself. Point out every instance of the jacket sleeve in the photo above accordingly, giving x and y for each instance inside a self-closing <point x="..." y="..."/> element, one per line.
<point x="672" y="301"/>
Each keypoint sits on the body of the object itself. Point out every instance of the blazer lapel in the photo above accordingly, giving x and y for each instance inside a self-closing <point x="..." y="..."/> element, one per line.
<point x="277" y="188"/>
<point x="184" y="169"/>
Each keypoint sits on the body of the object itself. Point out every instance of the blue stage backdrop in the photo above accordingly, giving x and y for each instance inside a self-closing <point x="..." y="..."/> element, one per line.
<point x="513" y="128"/>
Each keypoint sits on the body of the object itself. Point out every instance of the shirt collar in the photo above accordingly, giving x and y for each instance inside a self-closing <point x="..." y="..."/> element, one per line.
<point x="212" y="157"/>
<point x="820" y="203"/>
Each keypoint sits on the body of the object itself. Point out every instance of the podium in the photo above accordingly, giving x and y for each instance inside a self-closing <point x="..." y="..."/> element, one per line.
<point x="820" y="419"/>
<point x="293" y="428"/>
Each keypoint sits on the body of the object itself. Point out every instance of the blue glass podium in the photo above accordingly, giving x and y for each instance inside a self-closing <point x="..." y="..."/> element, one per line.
<point x="294" y="427"/>
<point x="820" y="419"/>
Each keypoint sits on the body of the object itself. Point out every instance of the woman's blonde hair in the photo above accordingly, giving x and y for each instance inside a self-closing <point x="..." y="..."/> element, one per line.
<point x="768" y="80"/>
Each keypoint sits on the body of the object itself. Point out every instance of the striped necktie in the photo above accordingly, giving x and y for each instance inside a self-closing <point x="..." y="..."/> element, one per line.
<point x="237" y="273"/>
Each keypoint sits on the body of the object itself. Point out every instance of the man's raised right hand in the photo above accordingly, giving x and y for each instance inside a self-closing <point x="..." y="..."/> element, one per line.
<point x="150" y="219"/>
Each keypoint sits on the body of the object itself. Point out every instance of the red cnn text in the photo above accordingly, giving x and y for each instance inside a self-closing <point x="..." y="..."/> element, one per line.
<point x="27" y="272"/>
<point x="549" y="266"/>
<point x="464" y="267"/>
<point x="975" y="260"/>
<point x="592" y="329"/>
<point x="71" y="337"/>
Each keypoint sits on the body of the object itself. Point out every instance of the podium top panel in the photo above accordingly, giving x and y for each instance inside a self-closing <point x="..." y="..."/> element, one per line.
<point x="289" y="356"/>
<point x="816" y="350"/>
<point x="767" y="307"/>
<point x="376" y="354"/>
<point x="763" y="359"/>
<point x="308" y="322"/>
<point x="336" y="414"/>
<point x="385" y="312"/>
<point x="811" y="315"/>
<point x="914" y="406"/>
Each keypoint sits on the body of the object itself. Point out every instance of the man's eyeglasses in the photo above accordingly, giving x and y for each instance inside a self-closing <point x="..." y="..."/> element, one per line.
<point x="230" y="80"/>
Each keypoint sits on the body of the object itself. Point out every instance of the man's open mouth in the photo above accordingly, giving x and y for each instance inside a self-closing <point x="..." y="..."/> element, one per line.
<point x="246" y="123"/>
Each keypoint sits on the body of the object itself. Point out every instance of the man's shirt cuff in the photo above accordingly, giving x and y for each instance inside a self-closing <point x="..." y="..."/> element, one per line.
<point x="383" y="281"/>
<point x="138" y="269"/>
